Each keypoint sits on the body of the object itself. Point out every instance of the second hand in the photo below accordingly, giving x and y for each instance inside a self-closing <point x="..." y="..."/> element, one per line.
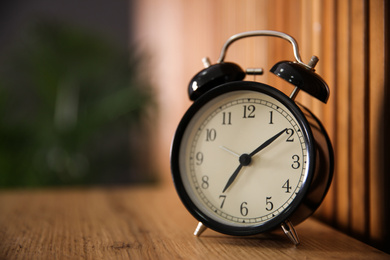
<point x="229" y="151"/>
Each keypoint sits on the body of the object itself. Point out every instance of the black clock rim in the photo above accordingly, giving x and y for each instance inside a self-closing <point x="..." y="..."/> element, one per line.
<point x="175" y="150"/>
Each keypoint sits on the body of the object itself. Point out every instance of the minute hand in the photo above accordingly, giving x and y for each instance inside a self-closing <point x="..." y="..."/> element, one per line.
<point x="268" y="142"/>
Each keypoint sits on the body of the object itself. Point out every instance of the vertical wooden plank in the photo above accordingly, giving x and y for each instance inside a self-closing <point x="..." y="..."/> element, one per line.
<point x="272" y="47"/>
<point x="257" y="48"/>
<point x="306" y="41"/>
<point x="328" y="62"/>
<point x="317" y="49"/>
<point x="328" y="72"/>
<point x="342" y="171"/>
<point x="377" y="117"/>
<point x="277" y="48"/>
<point x="306" y="44"/>
<point x="358" y="119"/>
<point x="231" y="13"/>
<point x="291" y="26"/>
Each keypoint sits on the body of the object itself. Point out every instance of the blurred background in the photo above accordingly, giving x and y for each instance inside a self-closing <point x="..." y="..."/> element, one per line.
<point x="91" y="92"/>
<point x="73" y="100"/>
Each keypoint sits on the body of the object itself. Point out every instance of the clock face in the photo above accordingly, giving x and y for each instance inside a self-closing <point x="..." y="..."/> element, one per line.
<point x="243" y="158"/>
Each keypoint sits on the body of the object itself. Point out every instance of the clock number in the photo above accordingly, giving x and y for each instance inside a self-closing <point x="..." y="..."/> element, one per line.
<point x="226" y="118"/>
<point x="291" y="133"/>
<point x="296" y="163"/>
<point x="211" y="134"/>
<point x="271" y="117"/>
<point x="205" y="181"/>
<point x="269" y="204"/>
<point x="244" y="210"/>
<point x="223" y="197"/>
<point x="249" y="111"/>
<point x="287" y="186"/>
<point x="199" y="158"/>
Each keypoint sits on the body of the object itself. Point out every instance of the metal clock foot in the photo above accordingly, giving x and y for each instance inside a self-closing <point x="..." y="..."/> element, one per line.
<point x="290" y="232"/>
<point x="200" y="229"/>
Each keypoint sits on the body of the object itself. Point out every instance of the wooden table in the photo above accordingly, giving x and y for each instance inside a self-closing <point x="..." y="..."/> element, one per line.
<point x="143" y="223"/>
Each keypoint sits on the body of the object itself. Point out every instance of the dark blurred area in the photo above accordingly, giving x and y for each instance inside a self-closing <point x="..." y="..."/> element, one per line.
<point x="72" y="105"/>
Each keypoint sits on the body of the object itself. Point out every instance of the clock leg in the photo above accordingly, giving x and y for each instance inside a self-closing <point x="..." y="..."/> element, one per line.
<point x="200" y="229"/>
<point x="290" y="232"/>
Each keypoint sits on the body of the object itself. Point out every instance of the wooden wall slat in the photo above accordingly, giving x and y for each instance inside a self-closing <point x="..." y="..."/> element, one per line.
<point x="341" y="93"/>
<point x="279" y="20"/>
<point x="357" y="117"/>
<point x="316" y="49"/>
<point x="327" y="69"/>
<point x="305" y="42"/>
<point x="377" y="103"/>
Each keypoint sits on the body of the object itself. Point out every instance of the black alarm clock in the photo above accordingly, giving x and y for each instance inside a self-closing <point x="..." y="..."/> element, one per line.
<point x="246" y="158"/>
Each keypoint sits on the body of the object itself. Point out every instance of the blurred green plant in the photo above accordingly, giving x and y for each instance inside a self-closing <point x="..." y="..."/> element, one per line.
<point x="68" y="101"/>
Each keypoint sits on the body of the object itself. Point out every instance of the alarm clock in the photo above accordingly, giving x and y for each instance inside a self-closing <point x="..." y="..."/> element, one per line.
<point x="246" y="158"/>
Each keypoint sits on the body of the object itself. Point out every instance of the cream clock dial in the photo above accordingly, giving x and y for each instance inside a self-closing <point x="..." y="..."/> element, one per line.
<point x="244" y="158"/>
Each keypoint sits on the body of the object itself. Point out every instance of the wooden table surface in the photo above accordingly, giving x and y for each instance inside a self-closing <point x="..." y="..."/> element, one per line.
<point x="144" y="223"/>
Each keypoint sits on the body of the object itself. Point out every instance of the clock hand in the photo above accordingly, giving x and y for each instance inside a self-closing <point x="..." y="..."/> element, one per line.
<point x="232" y="178"/>
<point x="268" y="142"/>
<point x="229" y="151"/>
<point x="245" y="159"/>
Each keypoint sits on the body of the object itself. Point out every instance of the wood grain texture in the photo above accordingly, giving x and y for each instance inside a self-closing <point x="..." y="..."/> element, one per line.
<point x="144" y="223"/>
<point x="377" y="108"/>
<point x="357" y="117"/>
<point x="341" y="94"/>
<point x="327" y="69"/>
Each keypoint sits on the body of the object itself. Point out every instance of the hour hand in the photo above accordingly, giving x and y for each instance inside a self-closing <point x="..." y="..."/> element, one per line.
<point x="232" y="178"/>
<point x="245" y="160"/>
